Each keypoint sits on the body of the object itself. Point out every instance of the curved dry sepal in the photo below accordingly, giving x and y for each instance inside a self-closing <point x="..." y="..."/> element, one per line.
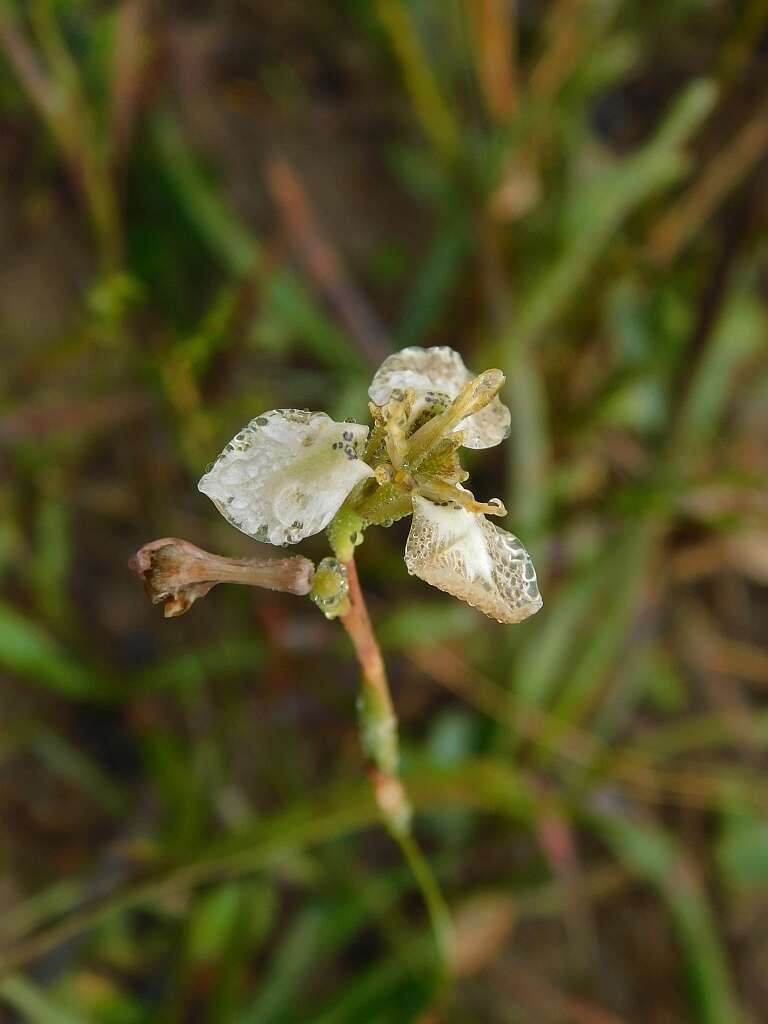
<point x="469" y="557"/>
<point x="438" y="374"/>
<point x="286" y="474"/>
<point x="177" y="573"/>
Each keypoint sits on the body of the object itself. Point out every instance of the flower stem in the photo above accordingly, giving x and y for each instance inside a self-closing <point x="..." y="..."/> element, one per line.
<point x="378" y="725"/>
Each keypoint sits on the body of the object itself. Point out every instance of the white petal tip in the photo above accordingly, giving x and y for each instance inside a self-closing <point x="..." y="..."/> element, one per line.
<point x="466" y="555"/>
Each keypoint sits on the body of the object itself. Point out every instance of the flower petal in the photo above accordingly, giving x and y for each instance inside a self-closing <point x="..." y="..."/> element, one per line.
<point x="440" y="369"/>
<point x="466" y="555"/>
<point x="436" y="374"/>
<point x="284" y="476"/>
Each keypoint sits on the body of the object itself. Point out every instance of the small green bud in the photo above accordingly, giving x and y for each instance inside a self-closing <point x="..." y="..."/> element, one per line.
<point x="330" y="588"/>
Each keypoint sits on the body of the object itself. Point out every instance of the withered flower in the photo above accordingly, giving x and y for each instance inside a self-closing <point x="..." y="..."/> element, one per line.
<point x="177" y="573"/>
<point x="290" y="473"/>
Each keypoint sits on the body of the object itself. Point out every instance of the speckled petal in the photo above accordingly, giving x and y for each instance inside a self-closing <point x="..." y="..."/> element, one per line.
<point x="440" y="369"/>
<point x="436" y="374"/>
<point x="466" y="555"/>
<point x="284" y="476"/>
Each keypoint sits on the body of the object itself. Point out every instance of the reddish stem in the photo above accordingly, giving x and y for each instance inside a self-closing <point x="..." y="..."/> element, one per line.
<point x="357" y="623"/>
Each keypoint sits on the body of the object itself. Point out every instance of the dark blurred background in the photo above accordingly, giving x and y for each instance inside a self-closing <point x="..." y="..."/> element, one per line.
<point x="208" y="210"/>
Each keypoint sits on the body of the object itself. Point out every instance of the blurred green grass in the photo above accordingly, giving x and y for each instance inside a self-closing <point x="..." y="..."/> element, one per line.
<point x="210" y="212"/>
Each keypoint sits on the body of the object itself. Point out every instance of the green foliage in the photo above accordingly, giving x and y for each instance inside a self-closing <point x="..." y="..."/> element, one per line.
<point x="654" y="857"/>
<point x="742" y="852"/>
<point x="35" y="1006"/>
<point x="27" y="648"/>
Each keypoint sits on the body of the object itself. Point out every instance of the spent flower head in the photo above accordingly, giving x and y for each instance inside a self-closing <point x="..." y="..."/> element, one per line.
<point x="291" y="473"/>
<point x="177" y="573"/>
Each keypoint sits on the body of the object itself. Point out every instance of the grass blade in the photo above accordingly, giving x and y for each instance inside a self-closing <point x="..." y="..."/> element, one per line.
<point x="652" y="856"/>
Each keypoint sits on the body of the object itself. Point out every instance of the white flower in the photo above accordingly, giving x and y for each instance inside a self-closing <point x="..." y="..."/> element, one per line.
<point x="284" y="476"/>
<point x="466" y="555"/>
<point x="437" y="375"/>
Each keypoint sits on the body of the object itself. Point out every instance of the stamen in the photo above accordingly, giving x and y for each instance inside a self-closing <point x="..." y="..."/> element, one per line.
<point x="473" y="397"/>
<point x="440" y="491"/>
<point x="396" y="414"/>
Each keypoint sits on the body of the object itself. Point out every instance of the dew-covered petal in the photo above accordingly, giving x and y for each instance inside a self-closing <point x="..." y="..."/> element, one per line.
<point x="466" y="555"/>
<point x="439" y="369"/>
<point x="284" y="476"/>
<point x="437" y="375"/>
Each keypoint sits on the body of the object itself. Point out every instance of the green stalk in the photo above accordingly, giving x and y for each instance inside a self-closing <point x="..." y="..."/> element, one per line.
<point x="378" y="725"/>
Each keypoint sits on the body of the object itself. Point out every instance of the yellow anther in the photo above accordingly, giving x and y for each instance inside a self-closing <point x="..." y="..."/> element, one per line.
<point x="404" y="480"/>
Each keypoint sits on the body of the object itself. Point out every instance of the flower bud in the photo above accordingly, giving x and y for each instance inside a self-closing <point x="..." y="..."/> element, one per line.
<point x="330" y="589"/>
